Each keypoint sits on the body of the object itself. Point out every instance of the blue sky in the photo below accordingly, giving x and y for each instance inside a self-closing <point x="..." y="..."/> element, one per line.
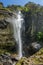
<point x="20" y="2"/>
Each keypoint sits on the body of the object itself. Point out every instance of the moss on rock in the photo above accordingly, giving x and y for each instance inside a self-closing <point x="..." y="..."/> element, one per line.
<point x="35" y="59"/>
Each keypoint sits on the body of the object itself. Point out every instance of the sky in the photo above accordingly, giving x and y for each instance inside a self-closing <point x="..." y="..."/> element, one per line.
<point x="20" y="2"/>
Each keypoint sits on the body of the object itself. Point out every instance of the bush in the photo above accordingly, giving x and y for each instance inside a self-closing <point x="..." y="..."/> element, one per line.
<point x="39" y="36"/>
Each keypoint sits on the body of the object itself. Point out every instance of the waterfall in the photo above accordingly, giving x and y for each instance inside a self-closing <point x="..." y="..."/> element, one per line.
<point x="17" y="32"/>
<point x="17" y="25"/>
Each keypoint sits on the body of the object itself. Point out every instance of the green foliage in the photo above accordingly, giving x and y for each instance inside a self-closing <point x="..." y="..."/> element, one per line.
<point x="34" y="8"/>
<point x="28" y="7"/>
<point x="39" y="36"/>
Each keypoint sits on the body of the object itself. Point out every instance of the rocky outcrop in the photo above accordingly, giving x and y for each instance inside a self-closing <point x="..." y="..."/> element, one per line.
<point x="7" y="40"/>
<point x="7" y="59"/>
<point x="33" y="24"/>
<point x="3" y="24"/>
<point x="36" y="59"/>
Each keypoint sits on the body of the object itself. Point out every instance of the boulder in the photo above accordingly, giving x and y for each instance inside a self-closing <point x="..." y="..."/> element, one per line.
<point x="36" y="45"/>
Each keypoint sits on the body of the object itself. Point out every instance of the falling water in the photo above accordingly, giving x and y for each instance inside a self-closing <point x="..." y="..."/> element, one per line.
<point x="17" y="33"/>
<point x="17" y="24"/>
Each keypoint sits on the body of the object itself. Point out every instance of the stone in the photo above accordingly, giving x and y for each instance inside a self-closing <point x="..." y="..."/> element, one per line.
<point x="36" y="45"/>
<point x="1" y="63"/>
<point x="7" y="63"/>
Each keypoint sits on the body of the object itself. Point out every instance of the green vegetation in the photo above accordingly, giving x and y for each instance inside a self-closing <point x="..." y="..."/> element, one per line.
<point x="39" y="36"/>
<point x="34" y="8"/>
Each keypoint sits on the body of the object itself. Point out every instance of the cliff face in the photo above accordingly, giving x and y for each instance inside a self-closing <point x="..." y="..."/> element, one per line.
<point x="33" y="24"/>
<point x="7" y="41"/>
<point x="39" y="21"/>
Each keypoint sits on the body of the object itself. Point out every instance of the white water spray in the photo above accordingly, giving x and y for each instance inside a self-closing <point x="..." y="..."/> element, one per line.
<point x="17" y="33"/>
<point x="17" y="24"/>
